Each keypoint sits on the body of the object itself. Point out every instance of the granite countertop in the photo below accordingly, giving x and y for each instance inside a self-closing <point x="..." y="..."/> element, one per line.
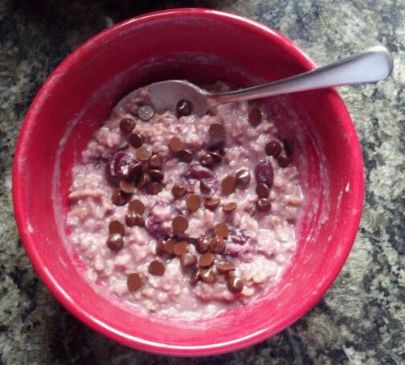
<point x="360" y="320"/>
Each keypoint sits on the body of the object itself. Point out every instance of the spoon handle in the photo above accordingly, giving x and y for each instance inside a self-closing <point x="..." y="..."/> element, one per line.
<point x="371" y="65"/>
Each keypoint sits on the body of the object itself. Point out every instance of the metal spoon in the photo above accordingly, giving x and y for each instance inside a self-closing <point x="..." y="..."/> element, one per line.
<point x="371" y="65"/>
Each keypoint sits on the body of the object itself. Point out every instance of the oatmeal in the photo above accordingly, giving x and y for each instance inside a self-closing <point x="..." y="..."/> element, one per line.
<point x="183" y="216"/>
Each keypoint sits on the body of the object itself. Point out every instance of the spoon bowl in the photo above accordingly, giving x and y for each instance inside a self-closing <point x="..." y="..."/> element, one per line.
<point x="372" y="65"/>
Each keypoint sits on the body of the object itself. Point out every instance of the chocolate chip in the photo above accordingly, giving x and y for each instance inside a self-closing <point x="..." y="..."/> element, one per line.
<point x="221" y="230"/>
<point x="156" y="175"/>
<point x="216" y="156"/>
<point x="243" y="178"/>
<point x="217" y="131"/>
<point x="116" y="227"/>
<point x="201" y="245"/>
<point x="120" y="198"/>
<point x="212" y="203"/>
<point x="153" y="188"/>
<point x="175" y="144"/>
<point x="156" y="268"/>
<point x="136" y="140"/>
<point x="115" y="242"/>
<point x="207" y="276"/>
<point x="263" y="204"/>
<point x="255" y="117"/>
<point x="228" y="185"/>
<point x="204" y="188"/>
<point x="188" y="260"/>
<point x="184" y="108"/>
<point x="235" y="285"/>
<point x="144" y="153"/>
<point x="217" y="245"/>
<point x="185" y="156"/>
<point x="206" y="260"/>
<point x="273" y="148"/>
<point x="283" y="161"/>
<point x="207" y="160"/>
<point x="169" y="246"/>
<point x="288" y="146"/>
<point x="127" y="186"/>
<point x="160" y="247"/>
<point x="146" y="113"/>
<point x="142" y="180"/>
<point x="195" y="277"/>
<point x="179" y="224"/>
<point x="155" y="161"/>
<point x="136" y="206"/>
<point x="134" y="219"/>
<point x="193" y="202"/>
<point x="127" y="125"/>
<point x="179" y="190"/>
<point x="134" y="282"/>
<point x="262" y="190"/>
<point x="224" y="267"/>
<point x="180" y="248"/>
<point x="229" y="207"/>
<point x="134" y="170"/>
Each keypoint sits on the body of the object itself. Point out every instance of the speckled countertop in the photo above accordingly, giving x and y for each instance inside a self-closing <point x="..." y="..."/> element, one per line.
<point x="361" y="320"/>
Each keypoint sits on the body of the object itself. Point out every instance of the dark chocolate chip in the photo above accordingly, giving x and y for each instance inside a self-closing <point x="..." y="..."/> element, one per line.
<point x="216" y="156"/>
<point x="201" y="245"/>
<point x="217" y="131"/>
<point x="243" y="178"/>
<point x="116" y="227"/>
<point x="134" y="219"/>
<point x="263" y="204"/>
<point x="134" y="282"/>
<point x="179" y="190"/>
<point x="134" y="170"/>
<point x="156" y="175"/>
<point x="180" y="248"/>
<point x="262" y="190"/>
<point x="136" y="206"/>
<point x="120" y="198"/>
<point x="212" y="203"/>
<point x="155" y="161"/>
<point x="136" y="140"/>
<point x="283" y="161"/>
<point x="204" y="188"/>
<point x="175" y="144"/>
<point x="273" y="148"/>
<point x="235" y="285"/>
<point x="224" y="267"/>
<point x="115" y="242"/>
<point x="156" y="268"/>
<point x="153" y="187"/>
<point x="127" y="187"/>
<point x="184" y="108"/>
<point x="229" y="207"/>
<point x="143" y="179"/>
<point x="255" y="117"/>
<point x="228" y="185"/>
<point x="127" y="125"/>
<point x="206" y="260"/>
<point x="207" y="276"/>
<point x="221" y="230"/>
<point x="193" y="202"/>
<point x="217" y="245"/>
<point x="188" y="260"/>
<point x="179" y="224"/>
<point x="195" y="276"/>
<point x="144" y="153"/>
<point x="207" y="160"/>
<point x="185" y="156"/>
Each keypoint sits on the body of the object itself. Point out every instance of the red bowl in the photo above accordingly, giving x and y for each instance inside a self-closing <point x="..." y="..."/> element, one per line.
<point x="200" y="45"/>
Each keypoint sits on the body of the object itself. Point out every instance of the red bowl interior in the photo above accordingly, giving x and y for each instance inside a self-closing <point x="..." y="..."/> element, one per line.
<point x="202" y="46"/>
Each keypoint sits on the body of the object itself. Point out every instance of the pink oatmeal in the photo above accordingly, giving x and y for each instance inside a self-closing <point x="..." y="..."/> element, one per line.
<point x="184" y="217"/>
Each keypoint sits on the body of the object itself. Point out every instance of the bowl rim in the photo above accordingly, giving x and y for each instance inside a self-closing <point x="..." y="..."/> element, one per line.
<point x="21" y="212"/>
